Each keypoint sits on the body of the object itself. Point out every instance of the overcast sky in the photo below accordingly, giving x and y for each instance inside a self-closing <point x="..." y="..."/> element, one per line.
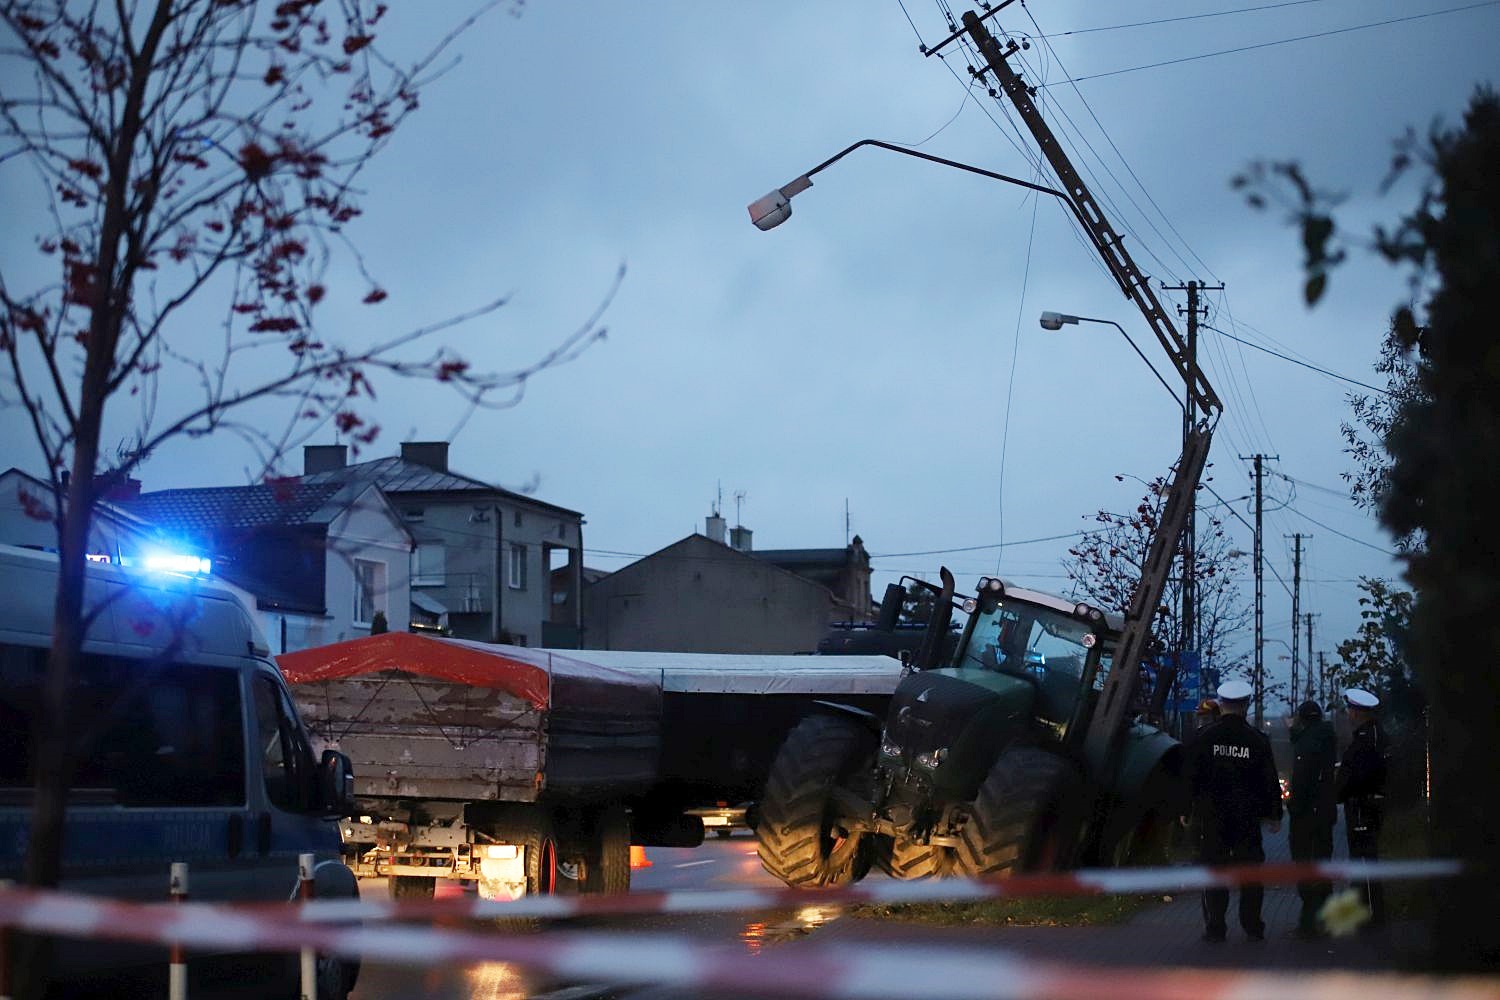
<point x="882" y="346"/>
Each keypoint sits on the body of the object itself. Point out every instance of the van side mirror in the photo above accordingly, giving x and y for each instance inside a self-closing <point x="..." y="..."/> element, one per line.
<point x="336" y="784"/>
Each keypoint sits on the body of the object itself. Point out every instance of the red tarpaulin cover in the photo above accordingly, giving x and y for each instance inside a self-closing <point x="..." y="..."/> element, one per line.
<point x="474" y="663"/>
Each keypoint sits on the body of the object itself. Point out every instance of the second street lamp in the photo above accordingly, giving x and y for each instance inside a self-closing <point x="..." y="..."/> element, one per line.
<point x="775" y="208"/>
<point x="1054" y="321"/>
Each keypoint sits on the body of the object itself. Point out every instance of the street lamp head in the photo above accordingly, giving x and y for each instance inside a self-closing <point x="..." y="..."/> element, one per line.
<point x="1055" y="320"/>
<point x="776" y="207"/>
<point x="770" y="211"/>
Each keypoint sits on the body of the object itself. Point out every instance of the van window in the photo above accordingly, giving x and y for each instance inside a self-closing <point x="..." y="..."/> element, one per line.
<point x="144" y="732"/>
<point x="286" y="758"/>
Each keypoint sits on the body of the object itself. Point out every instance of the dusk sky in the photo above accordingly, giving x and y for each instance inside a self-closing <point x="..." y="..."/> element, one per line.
<point x="882" y="346"/>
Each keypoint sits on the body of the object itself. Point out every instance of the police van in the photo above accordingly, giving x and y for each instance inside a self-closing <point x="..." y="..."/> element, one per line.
<point x="187" y="748"/>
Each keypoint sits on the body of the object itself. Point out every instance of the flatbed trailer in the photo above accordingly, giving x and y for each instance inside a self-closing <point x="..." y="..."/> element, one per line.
<point x="724" y="715"/>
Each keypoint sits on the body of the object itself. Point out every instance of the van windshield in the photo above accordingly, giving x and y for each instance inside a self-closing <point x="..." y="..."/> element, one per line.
<point x="146" y="733"/>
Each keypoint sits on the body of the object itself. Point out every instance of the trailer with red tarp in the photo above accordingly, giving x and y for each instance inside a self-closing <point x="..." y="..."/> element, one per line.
<point x="502" y="764"/>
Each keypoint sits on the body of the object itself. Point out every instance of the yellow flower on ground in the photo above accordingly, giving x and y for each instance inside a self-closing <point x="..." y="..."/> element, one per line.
<point x="1343" y="913"/>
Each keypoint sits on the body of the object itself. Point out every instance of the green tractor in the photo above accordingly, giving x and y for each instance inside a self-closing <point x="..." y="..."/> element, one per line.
<point x="981" y="766"/>
<point x="1025" y="748"/>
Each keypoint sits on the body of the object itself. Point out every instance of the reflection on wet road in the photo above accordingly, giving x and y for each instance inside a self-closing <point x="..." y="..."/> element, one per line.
<point x="719" y="864"/>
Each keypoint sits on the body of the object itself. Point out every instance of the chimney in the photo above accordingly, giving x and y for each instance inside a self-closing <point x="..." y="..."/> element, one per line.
<point x="715" y="528"/>
<point x="432" y="454"/>
<point x="112" y="490"/>
<point x="323" y="458"/>
<point x="739" y="538"/>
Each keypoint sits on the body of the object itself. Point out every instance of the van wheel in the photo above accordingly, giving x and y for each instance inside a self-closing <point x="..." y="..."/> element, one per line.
<point x="412" y="887"/>
<point x="800" y="842"/>
<point x="1025" y="818"/>
<point x="335" y="977"/>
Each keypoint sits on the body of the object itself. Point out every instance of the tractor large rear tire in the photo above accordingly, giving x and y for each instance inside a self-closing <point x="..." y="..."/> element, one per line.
<point x="906" y="859"/>
<point x="1026" y="817"/>
<point x="799" y="843"/>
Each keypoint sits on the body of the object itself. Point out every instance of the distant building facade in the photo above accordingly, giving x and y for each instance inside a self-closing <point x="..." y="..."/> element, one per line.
<point x="488" y="563"/>
<point x="704" y="595"/>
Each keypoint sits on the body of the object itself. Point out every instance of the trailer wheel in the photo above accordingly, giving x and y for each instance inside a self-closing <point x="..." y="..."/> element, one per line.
<point x="412" y="887"/>
<point x="1025" y="817"/>
<point x="907" y="859"/>
<point x="799" y="842"/>
<point x="608" y="866"/>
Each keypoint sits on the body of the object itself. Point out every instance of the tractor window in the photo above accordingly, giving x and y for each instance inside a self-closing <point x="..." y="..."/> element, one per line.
<point x="1025" y="640"/>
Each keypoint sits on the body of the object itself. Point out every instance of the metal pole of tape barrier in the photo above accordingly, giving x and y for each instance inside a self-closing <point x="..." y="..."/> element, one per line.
<point x="177" y="888"/>
<point x="5" y="987"/>
<point x="309" y="956"/>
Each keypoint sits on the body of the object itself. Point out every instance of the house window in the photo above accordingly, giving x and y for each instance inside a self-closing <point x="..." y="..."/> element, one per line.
<point x="429" y="565"/>
<point x="517" y="519"/>
<point x="369" y="590"/>
<point x="517" y="566"/>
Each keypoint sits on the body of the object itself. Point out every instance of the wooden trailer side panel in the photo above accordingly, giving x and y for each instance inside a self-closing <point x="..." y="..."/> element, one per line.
<point x="415" y="737"/>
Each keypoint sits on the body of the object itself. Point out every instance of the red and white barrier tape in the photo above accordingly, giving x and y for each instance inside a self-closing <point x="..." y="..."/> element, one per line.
<point x="848" y="971"/>
<point x="1089" y="882"/>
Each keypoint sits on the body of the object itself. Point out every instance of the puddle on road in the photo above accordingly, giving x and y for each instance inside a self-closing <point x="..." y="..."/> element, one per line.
<point x="758" y="934"/>
<point x="497" y="981"/>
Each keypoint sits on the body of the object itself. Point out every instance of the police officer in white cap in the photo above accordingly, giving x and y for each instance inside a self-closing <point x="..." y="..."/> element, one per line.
<point x="1233" y="788"/>
<point x="1361" y="788"/>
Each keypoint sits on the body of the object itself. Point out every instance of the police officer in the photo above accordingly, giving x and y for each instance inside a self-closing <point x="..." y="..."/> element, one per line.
<point x="1311" y="811"/>
<point x="1361" y="788"/>
<point x="1232" y="788"/>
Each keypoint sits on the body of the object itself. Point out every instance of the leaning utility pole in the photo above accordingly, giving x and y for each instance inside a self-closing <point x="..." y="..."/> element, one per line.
<point x="1260" y="590"/>
<point x="1291" y="695"/>
<point x="1188" y="638"/>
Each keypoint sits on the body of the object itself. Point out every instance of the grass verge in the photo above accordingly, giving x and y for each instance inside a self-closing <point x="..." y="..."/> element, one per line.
<point x="1083" y="911"/>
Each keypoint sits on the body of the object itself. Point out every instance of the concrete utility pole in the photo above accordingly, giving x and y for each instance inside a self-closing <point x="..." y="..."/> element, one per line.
<point x="1291" y="695"/>
<point x="1260" y="590"/>
<point x="1308" y="617"/>
<point x="1188" y="637"/>
<point x="1323" y="692"/>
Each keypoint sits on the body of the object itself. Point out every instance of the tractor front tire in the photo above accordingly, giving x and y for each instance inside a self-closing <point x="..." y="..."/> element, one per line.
<point x="1025" y="818"/>
<point x="907" y="859"/>
<point x="798" y="841"/>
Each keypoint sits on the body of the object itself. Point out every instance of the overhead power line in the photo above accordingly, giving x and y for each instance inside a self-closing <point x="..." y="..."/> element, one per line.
<point x="1280" y="41"/>
<point x="1185" y="17"/>
<point x="1357" y="541"/>
<point x="1304" y="364"/>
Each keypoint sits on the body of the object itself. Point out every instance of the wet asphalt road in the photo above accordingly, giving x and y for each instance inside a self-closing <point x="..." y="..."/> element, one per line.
<point x="718" y="864"/>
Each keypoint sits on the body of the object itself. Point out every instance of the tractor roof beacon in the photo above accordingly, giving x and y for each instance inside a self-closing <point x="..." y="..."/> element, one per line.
<point x="1023" y="748"/>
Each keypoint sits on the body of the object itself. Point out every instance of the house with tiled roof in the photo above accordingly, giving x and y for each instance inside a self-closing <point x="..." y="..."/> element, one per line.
<point x="322" y="560"/>
<point x="491" y="564"/>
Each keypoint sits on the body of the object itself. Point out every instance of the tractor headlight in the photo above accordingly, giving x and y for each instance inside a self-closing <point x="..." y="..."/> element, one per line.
<point x="501" y="852"/>
<point x="889" y="747"/>
<point x="932" y="758"/>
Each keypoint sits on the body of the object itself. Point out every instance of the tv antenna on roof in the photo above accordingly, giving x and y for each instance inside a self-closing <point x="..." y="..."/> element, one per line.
<point x="739" y="498"/>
